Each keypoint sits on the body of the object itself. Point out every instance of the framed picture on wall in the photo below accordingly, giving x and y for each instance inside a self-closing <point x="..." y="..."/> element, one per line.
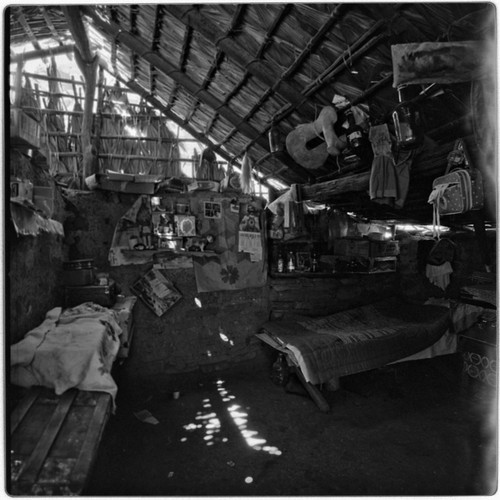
<point x="212" y="210"/>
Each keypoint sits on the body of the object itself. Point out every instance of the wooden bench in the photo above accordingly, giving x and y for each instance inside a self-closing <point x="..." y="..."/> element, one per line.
<point x="54" y="439"/>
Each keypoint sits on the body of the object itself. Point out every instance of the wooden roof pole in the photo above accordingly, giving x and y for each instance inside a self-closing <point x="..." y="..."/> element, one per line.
<point x="198" y="136"/>
<point x="27" y="28"/>
<point x="42" y="53"/>
<point x="137" y="45"/>
<point x="87" y="63"/>
<point x="240" y="10"/>
<point x="338" y="65"/>
<point x="262" y="71"/>
<point x="276" y="23"/>
<point x="51" y="26"/>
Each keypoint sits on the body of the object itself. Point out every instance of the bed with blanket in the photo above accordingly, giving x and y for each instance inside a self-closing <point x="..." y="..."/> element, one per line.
<point x="61" y="374"/>
<point x="323" y="349"/>
<point x="71" y="348"/>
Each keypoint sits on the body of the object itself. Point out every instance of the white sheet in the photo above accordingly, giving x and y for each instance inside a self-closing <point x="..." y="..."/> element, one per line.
<point x="71" y="348"/>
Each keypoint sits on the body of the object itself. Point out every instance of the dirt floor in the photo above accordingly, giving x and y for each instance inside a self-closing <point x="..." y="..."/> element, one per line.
<point x="416" y="428"/>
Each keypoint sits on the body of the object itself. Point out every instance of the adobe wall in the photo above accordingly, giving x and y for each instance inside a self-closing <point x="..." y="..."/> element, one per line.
<point x="215" y="335"/>
<point x="33" y="265"/>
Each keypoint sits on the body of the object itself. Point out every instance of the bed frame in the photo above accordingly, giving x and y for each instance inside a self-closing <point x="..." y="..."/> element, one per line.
<point x="54" y="440"/>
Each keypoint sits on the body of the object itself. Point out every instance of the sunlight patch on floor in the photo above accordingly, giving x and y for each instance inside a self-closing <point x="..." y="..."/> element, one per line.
<point x="211" y="425"/>
<point x="239" y="417"/>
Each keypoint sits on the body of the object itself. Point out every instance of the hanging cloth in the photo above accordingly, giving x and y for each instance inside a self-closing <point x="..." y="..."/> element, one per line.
<point x="383" y="185"/>
<point x="402" y="169"/>
<point x="439" y="275"/>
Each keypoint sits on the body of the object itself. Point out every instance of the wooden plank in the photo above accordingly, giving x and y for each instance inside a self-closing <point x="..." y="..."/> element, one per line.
<point x="325" y="190"/>
<point x="89" y="448"/>
<point x="35" y="461"/>
<point x="22" y="408"/>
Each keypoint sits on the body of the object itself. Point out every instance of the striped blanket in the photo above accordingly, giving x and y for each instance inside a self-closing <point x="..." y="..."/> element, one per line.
<point x="358" y="339"/>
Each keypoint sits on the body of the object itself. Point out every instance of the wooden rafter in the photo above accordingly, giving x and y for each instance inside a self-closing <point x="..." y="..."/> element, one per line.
<point x="42" y="53"/>
<point x="186" y="44"/>
<point x="115" y="43"/>
<point x="51" y="26"/>
<point x="27" y="28"/>
<point x="136" y="44"/>
<point x="316" y="40"/>
<point x="270" y="33"/>
<point x="263" y="72"/>
<point x="163" y="109"/>
<point x="238" y="15"/>
<point x="133" y="30"/>
<point x="87" y="62"/>
<point x="154" y="46"/>
<point x="339" y="65"/>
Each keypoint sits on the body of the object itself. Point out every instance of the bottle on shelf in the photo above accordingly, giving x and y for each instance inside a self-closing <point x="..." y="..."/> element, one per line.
<point x="291" y="262"/>
<point x="314" y="262"/>
<point x="281" y="263"/>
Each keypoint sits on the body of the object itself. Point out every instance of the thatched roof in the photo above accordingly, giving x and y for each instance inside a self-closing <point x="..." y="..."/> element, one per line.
<point x="229" y="72"/>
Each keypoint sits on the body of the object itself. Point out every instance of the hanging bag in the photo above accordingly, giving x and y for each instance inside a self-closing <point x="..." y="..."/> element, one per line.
<point x="460" y="189"/>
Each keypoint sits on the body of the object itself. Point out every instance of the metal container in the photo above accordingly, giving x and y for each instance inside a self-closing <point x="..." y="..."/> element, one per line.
<point x="79" y="272"/>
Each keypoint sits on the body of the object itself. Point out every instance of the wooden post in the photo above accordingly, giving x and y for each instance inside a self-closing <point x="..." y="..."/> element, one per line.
<point x="87" y="62"/>
<point x="98" y="121"/>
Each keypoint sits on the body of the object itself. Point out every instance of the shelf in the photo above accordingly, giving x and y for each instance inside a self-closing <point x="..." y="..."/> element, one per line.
<point x="151" y="253"/>
<point x="332" y="275"/>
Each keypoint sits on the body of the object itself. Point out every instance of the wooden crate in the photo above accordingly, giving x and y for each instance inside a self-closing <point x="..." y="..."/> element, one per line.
<point x="54" y="440"/>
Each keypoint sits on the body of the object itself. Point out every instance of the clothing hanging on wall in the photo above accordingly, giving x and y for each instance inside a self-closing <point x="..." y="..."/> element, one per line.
<point x="383" y="185"/>
<point x="390" y="177"/>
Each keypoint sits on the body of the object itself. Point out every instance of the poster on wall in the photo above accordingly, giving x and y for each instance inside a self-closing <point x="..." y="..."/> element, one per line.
<point x="238" y="261"/>
<point x="249" y="235"/>
<point x="156" y="291"/>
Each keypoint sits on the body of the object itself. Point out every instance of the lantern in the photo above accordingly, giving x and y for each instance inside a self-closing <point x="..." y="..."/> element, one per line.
<point x="406" y="118"/>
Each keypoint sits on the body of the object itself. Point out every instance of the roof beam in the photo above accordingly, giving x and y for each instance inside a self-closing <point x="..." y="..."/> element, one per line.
<point x="135" y="44"/>
<point x="155" y="44"/>
<point x="186" y="43"/>
<point x="272" y="29"/>
<point x="240" y="9"/>
<point x="42" y="53"/>
<point x="87" y="62"/>
<point x="266" y="73"/>
<point x="356" y="50"/>
<point x="27" y="28"/>
<point x="51" y="26"/>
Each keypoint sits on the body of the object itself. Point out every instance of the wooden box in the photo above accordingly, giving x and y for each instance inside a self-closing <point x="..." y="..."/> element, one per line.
<point x="351" y="247"/>
<point x="54" y="440"/>
<point x="24" y="130"/>
<point x="104" y="295"/>
<point x="384" y="248"/>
